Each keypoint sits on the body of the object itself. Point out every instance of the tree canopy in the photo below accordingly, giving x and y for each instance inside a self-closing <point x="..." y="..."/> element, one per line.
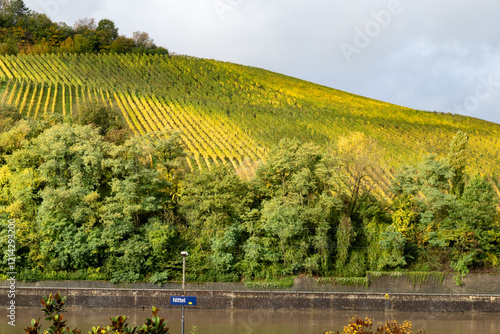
<point x="124" y="209"/>
<point x="25" y="31"/>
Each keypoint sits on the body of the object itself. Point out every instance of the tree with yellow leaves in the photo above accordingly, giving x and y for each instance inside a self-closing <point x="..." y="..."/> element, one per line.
<point x="347" y="169"/>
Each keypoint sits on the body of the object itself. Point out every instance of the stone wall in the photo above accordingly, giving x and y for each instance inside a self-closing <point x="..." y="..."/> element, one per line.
<point x="436" y="293"/>
<point x="145" y="298"/>
<point x="404" y="283"/>
<point x="435" y="283"/>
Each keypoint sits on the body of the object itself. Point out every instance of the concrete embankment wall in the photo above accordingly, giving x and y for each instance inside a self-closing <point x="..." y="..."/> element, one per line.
<point x="145" y="298"/>
<point x="478" y="293"/>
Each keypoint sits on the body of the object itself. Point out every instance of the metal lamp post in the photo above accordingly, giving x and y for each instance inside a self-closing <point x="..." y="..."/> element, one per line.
<point x="184" y="254"/>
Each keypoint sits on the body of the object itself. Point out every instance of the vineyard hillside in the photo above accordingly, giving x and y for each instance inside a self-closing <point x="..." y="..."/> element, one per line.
<point x="229" y="113"/>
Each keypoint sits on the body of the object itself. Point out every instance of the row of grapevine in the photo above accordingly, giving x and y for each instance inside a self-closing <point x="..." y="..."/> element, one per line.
<point x="228" y="112"/>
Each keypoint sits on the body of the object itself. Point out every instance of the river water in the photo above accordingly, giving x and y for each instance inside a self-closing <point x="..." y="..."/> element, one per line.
<point x="262" y="322"/>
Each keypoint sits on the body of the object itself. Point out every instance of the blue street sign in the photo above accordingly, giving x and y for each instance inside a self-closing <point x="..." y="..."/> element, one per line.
<point x="182" y="300"/>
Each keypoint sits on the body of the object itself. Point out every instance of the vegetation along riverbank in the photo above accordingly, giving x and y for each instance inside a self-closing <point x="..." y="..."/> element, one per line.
<point x="115" y="156"/>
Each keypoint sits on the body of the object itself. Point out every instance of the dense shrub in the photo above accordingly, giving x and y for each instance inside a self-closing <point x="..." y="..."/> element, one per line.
<point x="357" y="325"/>
<point x="53" y="309"/>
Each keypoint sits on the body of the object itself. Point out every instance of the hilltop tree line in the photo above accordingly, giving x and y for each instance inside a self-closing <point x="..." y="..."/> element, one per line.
<point x="89" y="197"/>
<point x="25" y="31"/>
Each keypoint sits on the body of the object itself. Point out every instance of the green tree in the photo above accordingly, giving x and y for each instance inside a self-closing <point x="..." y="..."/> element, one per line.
<point x="100" y="115"/>
<point x="429" y="188"/>
<point x="106" y="32"/>
<point x="71" y="170"/>
<point x="82" y="44"/>
<point x="83" y="202"/>
<point x="405" y="217"/>
<point x="457" y="159"/>
<point x="167" y="157"/>
<point x="39" y="25"/>
<point x="67" y="45"/>
<point x="65" y="29"/>
<point x="478" y="204"/>
<point x="50" y="180"/>
<point x="392" y="245"/>
<point x="9" y="47"/>
<point x="475" y="236"/>
<point x="345" y="237"/>
<point x="212" y="203"/>
<point x="287" y="238"/>
<point x="121" y="44"/>
<point x="346" y="170"/>
<point x="139" y="198"/>
<point x="13" y="13"/>
<point x="289" y="230"/>
<point x="284" y="224"/>
<point x="436" y="207"/>
<point x="8" y="116"/>
<point x="14" y="139"/>
<point x="290" y="170"/>
<point x="421" y="210"/>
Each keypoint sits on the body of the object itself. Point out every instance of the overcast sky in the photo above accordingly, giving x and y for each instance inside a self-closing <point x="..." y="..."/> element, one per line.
<point x="440" y="55"/>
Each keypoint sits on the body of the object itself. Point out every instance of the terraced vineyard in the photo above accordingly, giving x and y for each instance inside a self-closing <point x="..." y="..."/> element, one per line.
<point x="230" y="113"/>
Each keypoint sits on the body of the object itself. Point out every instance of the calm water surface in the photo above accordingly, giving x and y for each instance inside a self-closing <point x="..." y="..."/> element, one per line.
<point x="262" y="322"/>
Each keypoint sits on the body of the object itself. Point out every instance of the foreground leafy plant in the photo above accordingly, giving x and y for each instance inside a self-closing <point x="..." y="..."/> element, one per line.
<point x="365" y="326"/>
<point x="54" y="306"/>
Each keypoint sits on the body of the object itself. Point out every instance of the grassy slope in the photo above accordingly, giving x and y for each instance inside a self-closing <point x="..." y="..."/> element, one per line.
<point x="234" y="113"/>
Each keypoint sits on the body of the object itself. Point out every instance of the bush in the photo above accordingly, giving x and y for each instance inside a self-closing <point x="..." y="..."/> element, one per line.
<point x="159" y="278"/>
<point x="365" y="326"/>
<point x="9" y="48"/>
<point x="35" y="275"/>
<point x="363" y="281"/>
<point x="53" y="307"/>
<point x="100" y="115"/>
<point x="30" y="275"/>
<point x="125" y="276"/>
<point x="9" y="111"/>
<point x="286" y="282"/>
